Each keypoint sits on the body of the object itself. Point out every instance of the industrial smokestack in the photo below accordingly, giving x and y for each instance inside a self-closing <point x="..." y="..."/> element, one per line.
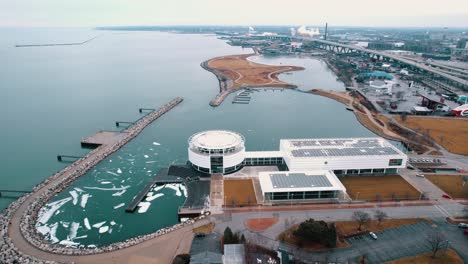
<point x="326" y="31"/>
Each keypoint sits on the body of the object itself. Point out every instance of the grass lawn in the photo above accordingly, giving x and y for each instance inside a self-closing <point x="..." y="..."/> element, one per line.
<point x="374" y="188"/>
<point x="451" y="184"/>
<point x="450" y="132"/>
<point x="239" y="192"/>
<point x="349" y="227"/>
<point x="450" y="257"/>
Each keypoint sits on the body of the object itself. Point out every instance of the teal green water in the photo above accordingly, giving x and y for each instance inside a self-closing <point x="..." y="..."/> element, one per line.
<point x="57" y="95"/>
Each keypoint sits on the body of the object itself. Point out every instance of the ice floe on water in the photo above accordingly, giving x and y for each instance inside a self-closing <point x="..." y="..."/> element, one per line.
<point x="146" y="156"/>
<point x="119" y="205"/>
<point x="78" y="190"/>
<point x="86" y="223"/>
<point x="184" y="189"/>
<point x="113" y="222"/>
<point x="157" y="188"/>
<point x="112" y="173"/>
<point x="68" y="243"/>
<point x="156" y="144"/>
<point x="81" y="237"/>
<point x="73" y="230"/>
<point x="119" y="193"/>
<point x="103" y="229"/>
<point x="43" y="229"/>
<point x="84" y="199"/>
<point x="152" y="197"/>
<point x="98" y="225"/>
<point x="175" y="187"/>
<point x="143" y="207"/>
<point x="48" y="210"/>
<point x="119" y="171"/>
<point x="106" y="182"/>
<point x="74" y="195"/>
<point x="109" y="189"/>
<point x="53" y="232"/>
<point x="150" y="161"/>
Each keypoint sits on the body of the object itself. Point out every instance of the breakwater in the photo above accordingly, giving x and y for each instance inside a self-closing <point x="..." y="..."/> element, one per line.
<point x="17" y="223"/>
<point x="54" y="44"/>
<point x="225" y="84"/>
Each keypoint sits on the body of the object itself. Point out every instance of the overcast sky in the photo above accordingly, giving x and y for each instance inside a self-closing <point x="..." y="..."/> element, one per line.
<point x="91" y="13"/>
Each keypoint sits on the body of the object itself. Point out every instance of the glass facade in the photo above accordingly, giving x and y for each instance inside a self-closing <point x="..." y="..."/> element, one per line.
<point x="263" y="161"/>
<point x="395" y="162"/>
<point x="306" y="195"/>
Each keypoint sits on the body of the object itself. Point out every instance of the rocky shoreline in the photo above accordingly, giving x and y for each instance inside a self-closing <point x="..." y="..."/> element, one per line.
<point x="10" y="253"/>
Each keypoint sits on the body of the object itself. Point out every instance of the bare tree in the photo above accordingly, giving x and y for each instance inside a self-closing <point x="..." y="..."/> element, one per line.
<point x="380" y="215"/>
<point x="362" y="218"/>
<point x="436" y="241"/>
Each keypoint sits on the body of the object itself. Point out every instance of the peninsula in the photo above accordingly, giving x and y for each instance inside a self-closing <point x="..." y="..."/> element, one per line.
<point x="235" y="72"/>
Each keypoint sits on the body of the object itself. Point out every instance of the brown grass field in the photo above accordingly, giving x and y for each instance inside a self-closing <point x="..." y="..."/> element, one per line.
<point x="450" y="132"/>
<point x="451" y="184"/>
<point x="389" y="187"/>
<point x="206" y="229"/>
<point x="448" y="257"/>
<point x="260" y="224"/>
<point x="246" y="73"/>
<point x="239" y="193"/>
<point x="350" y="227"/>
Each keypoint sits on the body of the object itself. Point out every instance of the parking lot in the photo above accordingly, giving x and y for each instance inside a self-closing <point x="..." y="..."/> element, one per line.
<point x="394" y="243"/>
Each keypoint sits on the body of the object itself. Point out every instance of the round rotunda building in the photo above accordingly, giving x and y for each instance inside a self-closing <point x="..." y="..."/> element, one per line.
<point x="216" y="151"/>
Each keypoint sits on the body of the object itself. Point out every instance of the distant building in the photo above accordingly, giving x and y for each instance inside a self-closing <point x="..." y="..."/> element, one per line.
<point x="462" y="44"/>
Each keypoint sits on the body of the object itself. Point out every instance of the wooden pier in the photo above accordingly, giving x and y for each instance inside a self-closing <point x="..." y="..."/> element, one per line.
<point x="2" y="192"/>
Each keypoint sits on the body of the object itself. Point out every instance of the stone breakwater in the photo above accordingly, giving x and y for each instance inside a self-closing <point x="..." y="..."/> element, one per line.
<point x="225" y="84"/>
<point x="53" y="185"/>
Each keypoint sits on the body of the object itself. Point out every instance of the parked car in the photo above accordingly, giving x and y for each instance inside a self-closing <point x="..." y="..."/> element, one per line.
<point x="200" y="235"/>
<point x="446" y="196"/>
<point x="373" y="235"/>
<point x="462" y="225"/>
<point x="409" y="166"/>
<point x="420" y="175"/>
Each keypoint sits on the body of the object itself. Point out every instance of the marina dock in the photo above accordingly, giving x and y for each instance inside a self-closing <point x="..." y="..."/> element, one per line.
<point x="103" y="137"/>
<point x="160" y="178"/>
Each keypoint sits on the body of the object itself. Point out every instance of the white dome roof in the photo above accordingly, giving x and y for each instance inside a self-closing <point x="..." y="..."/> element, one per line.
<point x="217" y="139"/>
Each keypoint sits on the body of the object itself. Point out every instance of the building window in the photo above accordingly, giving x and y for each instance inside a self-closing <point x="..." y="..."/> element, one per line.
<point x="327" y="194"/>
<point x="365" y="171"/>
<point x="391" y="171"/>
<point x="378" y="170"/>
<point x="280" y="196"/>
<point x="338" y="172"/>
<point x="352" y="172"/>
<point x="395" y="162"/>
<point x="296" y="195"/>
<point x="311" y="195"/>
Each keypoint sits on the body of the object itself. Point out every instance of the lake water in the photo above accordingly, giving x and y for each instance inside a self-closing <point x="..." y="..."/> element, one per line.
<point x="52" y="97"/>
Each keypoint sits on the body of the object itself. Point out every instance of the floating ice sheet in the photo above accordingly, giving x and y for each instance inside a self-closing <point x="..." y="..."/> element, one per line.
<point x="47" y="211"/>
<point x="86" y="223"/>
<point x="119" y="205"/>
<point x="103" y="229"/>
<point x="143" y="207"/>
<point x="156" y="144"/>
<point x="74" y="195"/>
<point x="84" y="199"/>
<point x="98" y="225"/>
<point x="151" y="198"/>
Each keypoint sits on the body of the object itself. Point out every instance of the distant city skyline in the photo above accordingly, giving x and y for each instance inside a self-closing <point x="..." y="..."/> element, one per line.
<point x="92" y="13"/>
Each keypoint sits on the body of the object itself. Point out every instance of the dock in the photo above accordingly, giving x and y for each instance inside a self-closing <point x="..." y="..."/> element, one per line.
<point x="103" y="137"/>
<point x="160" y="178"/>
<point x="243" y="97"/>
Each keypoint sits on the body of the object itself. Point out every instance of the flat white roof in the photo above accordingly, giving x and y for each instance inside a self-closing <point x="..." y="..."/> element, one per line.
<point x="263" y="154"/>
<point x="216" y="139"/>
<point x="338" y="148"/>
<point x="299" y="181"/>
